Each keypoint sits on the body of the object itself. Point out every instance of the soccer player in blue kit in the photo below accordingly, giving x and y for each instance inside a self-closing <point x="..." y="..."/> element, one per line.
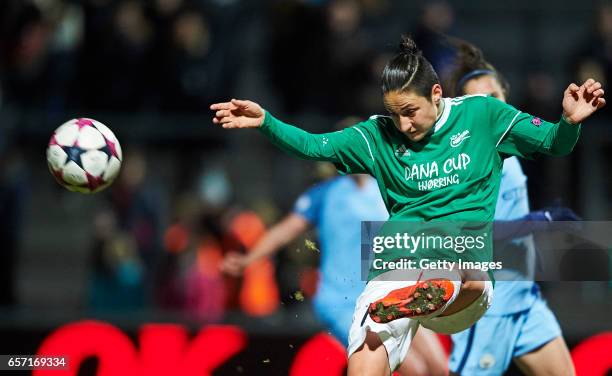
<point x="519" y="325"/>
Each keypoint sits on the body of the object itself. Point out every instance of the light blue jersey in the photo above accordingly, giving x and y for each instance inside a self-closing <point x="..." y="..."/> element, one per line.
<point x="519" y="321"/>
<point x="513" y="203"/>
<point x="337" y="207"/>
<point x="512" y="200"/>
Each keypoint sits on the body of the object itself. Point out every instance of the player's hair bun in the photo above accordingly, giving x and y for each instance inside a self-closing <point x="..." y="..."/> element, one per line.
<point x="408" y="46"/>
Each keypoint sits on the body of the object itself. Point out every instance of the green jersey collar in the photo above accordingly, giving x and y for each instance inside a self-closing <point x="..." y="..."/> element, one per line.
<point x="447" y="108"/>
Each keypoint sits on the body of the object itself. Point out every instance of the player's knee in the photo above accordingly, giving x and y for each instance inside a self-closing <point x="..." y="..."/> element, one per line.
<point x="473" y="275"/>
<point x="366" y="367"/>
<point x="473" y="282"/>
<point x="475" y="288"/>
<point x="370" y="358"/>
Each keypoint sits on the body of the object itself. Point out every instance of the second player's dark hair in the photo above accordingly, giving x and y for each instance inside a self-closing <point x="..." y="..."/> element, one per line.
<point x="409" y="70"/>
<point x="470" y="63"/>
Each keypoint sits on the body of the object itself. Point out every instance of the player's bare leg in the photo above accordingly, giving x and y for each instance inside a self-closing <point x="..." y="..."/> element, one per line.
<point x="426" y="356"/>
<point x="551" y="359"/>
<point x="370" y="359"/>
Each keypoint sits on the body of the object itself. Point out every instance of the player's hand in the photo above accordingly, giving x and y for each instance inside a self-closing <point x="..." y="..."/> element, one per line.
<point x="233" y="264"/>
<point x="238" y="114"/>
<point x="579" y="102"/>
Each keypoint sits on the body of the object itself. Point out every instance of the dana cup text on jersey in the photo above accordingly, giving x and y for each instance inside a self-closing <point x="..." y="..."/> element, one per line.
<point x="432" y="175"/>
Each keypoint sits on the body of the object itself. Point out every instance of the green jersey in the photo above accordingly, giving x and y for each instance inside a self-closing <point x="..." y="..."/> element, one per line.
<point x="453" y="174"/>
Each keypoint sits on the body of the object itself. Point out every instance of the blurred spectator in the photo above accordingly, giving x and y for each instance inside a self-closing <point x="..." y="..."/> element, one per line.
<point x="437" y="20"/>
<point x="116" y="65"/>
<point x="258" y="294"/>
<point x="167" y="8"/>
<point x="205" y="290"/>
<point x="350" y="59"/>
<point x="321" y="57"/>
<point x="13" y="194"/>
<point x="297" y="58"/>
<point x="68" y="22"/>
<point x="92" y="78"/>
<point x="25" y="76"/>
<point x="190" y="280"/>
<point x="163" y="14"/>
<point x="190" y="275"/>
<point x="117" y="282"/>
<point x="195" y="71"/>
<point x="594" y="57"/>
<point x="129" y="60"/>
<point x="139" y="205"/>
<point x="178" y="238"/>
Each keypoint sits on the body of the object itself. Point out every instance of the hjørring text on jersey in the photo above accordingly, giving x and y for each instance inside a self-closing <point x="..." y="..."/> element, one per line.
<point x="434" y="174"/>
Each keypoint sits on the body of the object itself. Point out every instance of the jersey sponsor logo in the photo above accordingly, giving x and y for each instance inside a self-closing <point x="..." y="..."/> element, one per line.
<point x="402" y="151"/>
<point x="457" y="139"/>
<point x="536" y="121"/>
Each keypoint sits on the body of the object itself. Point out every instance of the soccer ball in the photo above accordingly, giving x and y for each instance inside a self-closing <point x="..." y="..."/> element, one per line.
<point x="84" y="155"/>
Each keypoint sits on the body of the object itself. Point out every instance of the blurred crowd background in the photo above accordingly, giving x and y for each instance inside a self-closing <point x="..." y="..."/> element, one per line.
<point x="189" y="193"/>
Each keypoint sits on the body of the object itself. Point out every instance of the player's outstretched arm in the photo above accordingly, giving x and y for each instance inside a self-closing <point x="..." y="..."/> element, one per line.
<point x="580" y="102"/>
<point x="346" y="148"/>
<point x="529" y="136"/>
<point x="273" y="240"/>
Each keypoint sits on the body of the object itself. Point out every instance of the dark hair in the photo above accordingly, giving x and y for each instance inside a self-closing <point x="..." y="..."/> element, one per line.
<point x="470" y="63"/>
<point x="408" y="70"/>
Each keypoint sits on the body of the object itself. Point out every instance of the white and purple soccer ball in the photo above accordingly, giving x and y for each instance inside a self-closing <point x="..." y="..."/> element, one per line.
<point x="84" y="155"/>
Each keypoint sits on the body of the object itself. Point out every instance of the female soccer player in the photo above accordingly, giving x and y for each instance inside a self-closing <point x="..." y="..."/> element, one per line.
<point x="519" y="325"/>
<point x="435" y="159"/>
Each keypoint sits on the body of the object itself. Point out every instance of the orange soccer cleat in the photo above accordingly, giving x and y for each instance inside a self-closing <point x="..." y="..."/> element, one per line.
<point x="420" y="299"/>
